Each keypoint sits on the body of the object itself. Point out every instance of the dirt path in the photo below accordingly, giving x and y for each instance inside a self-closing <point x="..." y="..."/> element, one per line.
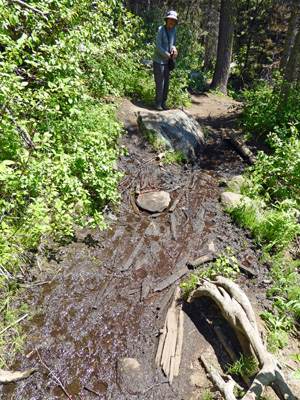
<point x="94" y="312"/>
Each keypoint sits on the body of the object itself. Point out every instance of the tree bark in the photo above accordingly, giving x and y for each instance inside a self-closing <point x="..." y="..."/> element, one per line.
<point x="290" y="36"/>
<point x="225" y="41"/>
<point x="291" y="68"/>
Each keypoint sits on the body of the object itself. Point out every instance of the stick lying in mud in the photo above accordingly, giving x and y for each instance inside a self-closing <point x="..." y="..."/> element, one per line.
<point x="237" y="310"/>
<point x="54" y="377"/>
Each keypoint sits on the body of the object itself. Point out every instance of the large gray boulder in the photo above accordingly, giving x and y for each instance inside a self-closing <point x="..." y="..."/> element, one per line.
<point x="178" y="130"/>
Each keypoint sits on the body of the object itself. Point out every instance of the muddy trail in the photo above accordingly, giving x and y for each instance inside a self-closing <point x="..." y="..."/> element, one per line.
<point x="108" y="292"/>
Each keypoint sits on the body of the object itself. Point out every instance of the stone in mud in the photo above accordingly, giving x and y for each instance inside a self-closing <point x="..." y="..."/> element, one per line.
<point x="130" y="376"/>
<point x="154" y="201"/>
<point x="230" y="199"/>
<point x="152" y="230"/>
<point x="176" y="129"/>
<point x="236" y="183"/>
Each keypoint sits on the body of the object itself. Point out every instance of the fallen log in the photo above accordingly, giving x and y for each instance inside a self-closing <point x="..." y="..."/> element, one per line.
<point x="168" y="354"/>
<point x="171" y="279"/>
<point x="237" y="310"/>
<point x="133" y="255"/>
<point x="241" y="147"/>
<point x="203" y="259"/>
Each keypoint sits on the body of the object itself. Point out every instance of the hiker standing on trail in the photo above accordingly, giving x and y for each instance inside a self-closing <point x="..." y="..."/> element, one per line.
<point x="165" y="50"/>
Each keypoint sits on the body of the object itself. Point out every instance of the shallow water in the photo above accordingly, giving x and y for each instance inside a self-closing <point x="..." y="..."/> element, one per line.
<point x="92" y="314"/>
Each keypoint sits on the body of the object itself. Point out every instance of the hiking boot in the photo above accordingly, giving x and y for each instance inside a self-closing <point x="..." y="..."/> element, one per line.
<point x="164" y="107"/>
<point x="158" y="107"/>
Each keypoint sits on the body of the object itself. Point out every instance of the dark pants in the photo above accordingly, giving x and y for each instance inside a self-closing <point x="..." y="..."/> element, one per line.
<point x="161" y="76"/>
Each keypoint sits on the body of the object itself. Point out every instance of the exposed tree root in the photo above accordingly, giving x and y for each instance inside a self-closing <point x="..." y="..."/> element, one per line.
<point x="237" y="310"/>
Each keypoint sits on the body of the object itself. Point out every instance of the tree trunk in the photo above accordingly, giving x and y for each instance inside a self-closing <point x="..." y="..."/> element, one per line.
<point x="290" y="36"/>
<point x="291" y="67"/>
<point x="211" y="34"/>
<point x="225" y="41"/>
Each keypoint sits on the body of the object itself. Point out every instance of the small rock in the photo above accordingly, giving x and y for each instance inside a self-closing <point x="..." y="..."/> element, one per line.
<point x="230" y="199"/>
<point x="130" y="376"/>
<point x="152" y="230"/>
<point x="235" y="184"/>
<point x="154" y="202"/>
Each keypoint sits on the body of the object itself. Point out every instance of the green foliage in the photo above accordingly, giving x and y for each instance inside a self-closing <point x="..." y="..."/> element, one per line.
<point x="245" y="366"/>
<point x="274" y="227"/>
<point x="11" y="336"/>
<point x="275" y="175"/>
<point x="208" y="395"/>
<point x="265" y="110"/>
<point x="226" y="265"/>
<point x="277" y="324"/>
<point x="296" y="374"/>
<point x="197" y="82"/>
<point x="259" y="109"/>
<point x="190" y="284"/>
<point x="174" y="157"/>
<point x="178" y="95"/>
<point x="58" y="142"/>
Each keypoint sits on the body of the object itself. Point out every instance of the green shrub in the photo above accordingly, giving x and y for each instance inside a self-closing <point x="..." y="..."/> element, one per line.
<point x="265" y="110"/>
<point x="276" y="175"/>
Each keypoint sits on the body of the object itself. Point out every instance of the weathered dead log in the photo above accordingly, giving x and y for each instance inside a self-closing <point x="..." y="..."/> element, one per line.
<point x="173" y="226"/>
<point x="241" y="147"/>
<point x="203" y="259"/>
<point x="133" y="255"/>
<point x="237" y="310"/>
<point x="171" y="279"/>
<point x="168" y="354"/>
<point x="174" y="205"/>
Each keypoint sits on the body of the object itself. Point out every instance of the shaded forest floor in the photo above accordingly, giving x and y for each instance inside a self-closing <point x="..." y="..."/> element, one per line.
<point x="93" y="313"/>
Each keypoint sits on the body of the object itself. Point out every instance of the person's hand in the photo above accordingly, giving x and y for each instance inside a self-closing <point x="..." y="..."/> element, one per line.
<point x="175" y="53"/>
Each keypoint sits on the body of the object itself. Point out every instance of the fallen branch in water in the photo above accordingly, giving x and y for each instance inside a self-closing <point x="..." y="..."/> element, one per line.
<point x="54" y="377"/>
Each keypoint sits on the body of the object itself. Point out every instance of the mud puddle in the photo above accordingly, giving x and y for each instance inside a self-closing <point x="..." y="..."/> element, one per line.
<point x="95" y="311"/>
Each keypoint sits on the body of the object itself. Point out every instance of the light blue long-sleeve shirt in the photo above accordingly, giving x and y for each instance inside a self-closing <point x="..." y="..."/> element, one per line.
<point x="162" y="49"/>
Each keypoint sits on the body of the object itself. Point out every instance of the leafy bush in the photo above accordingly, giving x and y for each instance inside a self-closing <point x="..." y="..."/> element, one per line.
<point x="58" y="137"/>
<point x="265" y="110"/>
<point x="276" y="176"/>
<point x="260" y="110"/>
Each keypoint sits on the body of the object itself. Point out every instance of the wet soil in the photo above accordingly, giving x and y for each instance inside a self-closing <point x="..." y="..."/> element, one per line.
<point x="97" y="309"/>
